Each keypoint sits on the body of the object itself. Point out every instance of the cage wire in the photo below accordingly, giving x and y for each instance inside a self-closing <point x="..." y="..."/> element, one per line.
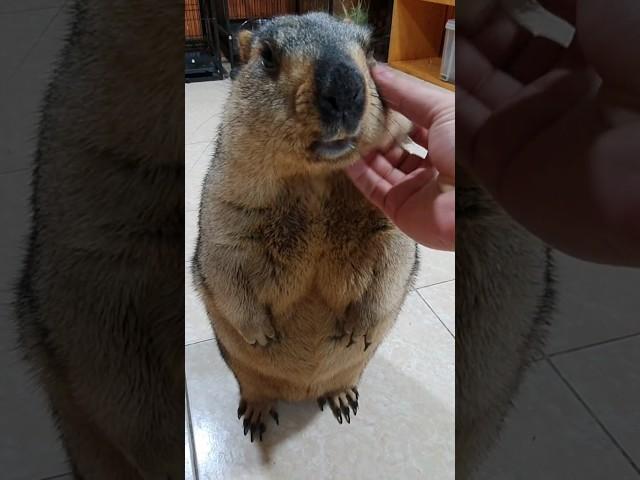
<point x="193" y="21"/>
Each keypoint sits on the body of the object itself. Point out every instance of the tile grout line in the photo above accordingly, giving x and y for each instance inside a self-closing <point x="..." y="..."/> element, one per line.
<point x="192" y="440"/>
<point x="59" y="475"/>
<point x="16" y="170"/>
<point x="216" y="116"/>
<point x="26" y="56"/>
<point x="198" y="342"/>
<point x="26" y="10"/>
<point x="592" y="345"/>
<point x="434" y="312"/>
<point x="592" y="414"/>
<point x="434" y="284"/>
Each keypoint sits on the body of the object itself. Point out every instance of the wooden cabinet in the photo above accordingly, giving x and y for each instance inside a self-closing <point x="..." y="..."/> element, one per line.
<point x="417" y="37"/>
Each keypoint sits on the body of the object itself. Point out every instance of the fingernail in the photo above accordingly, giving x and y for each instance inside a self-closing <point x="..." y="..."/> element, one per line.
<point x="383" y="72"/>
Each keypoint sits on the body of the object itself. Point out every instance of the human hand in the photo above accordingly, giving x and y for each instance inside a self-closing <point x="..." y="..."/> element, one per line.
<point x="554" y="133"/>
<point x="406" y="187"/>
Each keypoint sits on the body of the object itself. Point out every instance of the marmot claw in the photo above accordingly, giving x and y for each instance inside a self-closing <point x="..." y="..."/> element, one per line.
<point x="354" y="337"/>
<point x="254" y="413"/>
<point x="340" y="402"/>
<point x="260" y="332"/>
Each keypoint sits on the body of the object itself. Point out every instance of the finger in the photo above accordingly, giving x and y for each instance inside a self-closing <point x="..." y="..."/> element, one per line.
<point x="443" y="220"/>
<point x="439" y="216"/>
<point x="471" y="115"/>
<point x="413" y="162"/>
<point x="535" y="59"/>
<point x="397" y="197"/>
<point x="369" y="182"/>
<point x="501" y="39"/>
<point x="473" y="16"/>
<point x="512" y="48"/>
<point x="385" y="170"/>
<point x="538" y="106"/>
<point x="406" y="160"/>
<point x="396" y="154"/>
<point x="480" y="78"/>
<point x="409" y="96"/>
<point x="418" y="206"/>
<point x="420" y="135"/>
<point x="573" y="57"/>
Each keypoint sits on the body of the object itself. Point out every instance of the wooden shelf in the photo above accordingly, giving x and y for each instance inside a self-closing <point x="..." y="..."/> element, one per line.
<point x="417" y="38"/>
<point x="428" y="69"/>
<point x="451" y="3"/>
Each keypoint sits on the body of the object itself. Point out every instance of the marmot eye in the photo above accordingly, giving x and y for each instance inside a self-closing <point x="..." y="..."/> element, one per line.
<point x="268" y="58"/>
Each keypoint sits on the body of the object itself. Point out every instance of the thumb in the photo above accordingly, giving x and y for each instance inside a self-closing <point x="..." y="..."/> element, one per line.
<point x="409" y="96"/>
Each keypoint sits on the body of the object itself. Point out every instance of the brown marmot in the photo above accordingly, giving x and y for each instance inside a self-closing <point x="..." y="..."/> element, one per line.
<point x="505" y="296"/>
<point x="505" y="285"/>
<point x="99" y="305"/>
<point x="301" y="277"/>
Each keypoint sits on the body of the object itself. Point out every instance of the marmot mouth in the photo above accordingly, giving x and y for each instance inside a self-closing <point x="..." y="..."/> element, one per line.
<point x="334" y="149"/>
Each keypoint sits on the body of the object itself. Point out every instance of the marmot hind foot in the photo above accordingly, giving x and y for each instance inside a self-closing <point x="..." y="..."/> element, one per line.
<point x="255" y="414"/>
<point x="339" y="403"/>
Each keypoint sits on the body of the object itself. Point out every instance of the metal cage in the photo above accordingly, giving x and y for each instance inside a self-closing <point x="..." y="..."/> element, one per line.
<point x="211" y="27"/>
<point x="203" y="58"/>
<point x="236" y="15"/>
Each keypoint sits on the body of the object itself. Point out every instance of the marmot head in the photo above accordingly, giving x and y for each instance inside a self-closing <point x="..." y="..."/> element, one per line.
<point x="305" y="90"/>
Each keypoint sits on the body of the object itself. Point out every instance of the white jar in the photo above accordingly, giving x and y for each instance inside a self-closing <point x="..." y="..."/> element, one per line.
<point x="448" y="67"/>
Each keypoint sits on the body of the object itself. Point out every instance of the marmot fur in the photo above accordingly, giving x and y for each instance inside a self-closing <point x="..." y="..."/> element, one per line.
<point x="301" y="277"/>
<point x="504" y="300"/>
<point x="96" y="305"/>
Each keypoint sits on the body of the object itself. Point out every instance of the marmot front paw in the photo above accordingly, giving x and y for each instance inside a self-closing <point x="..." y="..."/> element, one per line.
<point x="352" y="332"/>
<point x="259" y="331"/>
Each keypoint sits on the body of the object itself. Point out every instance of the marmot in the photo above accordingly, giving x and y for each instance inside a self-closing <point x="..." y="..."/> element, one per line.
<point x="301" y="277"/>
<point x="98" y="305"/>
<point x="505" y="286"/>
<point x="504" y="300"/>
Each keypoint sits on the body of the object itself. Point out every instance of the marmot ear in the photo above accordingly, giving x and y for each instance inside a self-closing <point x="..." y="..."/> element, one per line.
<point x="245" y="38"/>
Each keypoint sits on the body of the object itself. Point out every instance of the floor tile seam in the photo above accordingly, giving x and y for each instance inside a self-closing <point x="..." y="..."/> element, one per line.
<point x="592" y="345"/>
<point x="434" y="312"/>
<point x="192" y="440"/>
<point x="593" y="415"/>
<point x="27" y="55"/>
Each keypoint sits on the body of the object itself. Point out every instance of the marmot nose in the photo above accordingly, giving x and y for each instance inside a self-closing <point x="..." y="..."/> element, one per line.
<point x="340" y="88"/>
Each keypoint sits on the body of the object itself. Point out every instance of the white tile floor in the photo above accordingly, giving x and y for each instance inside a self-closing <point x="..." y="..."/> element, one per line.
<point x="31" y="33"/>
<point x="577" y="414"/>
<point x="405" y="428"/>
